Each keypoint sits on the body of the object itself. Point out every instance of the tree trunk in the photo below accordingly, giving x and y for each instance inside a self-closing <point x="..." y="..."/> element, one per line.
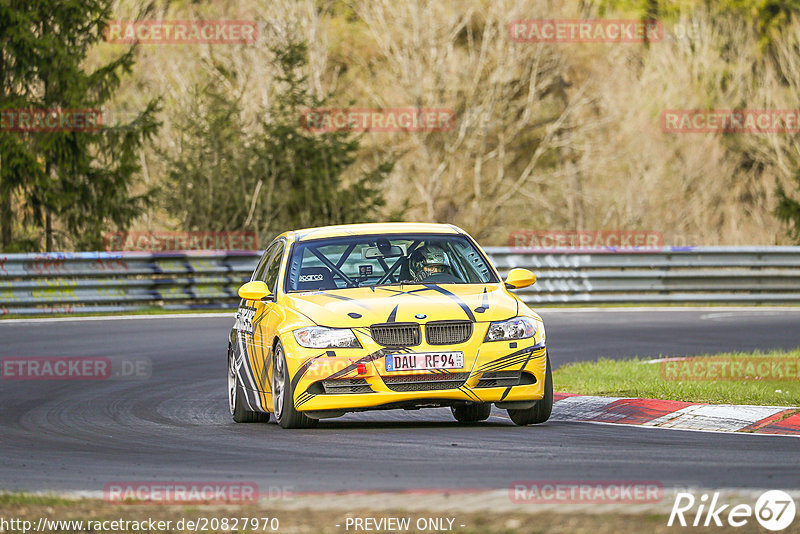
<point x="48" y="216"/>
<point x="5" y="221"/>
<point x="5" y="211"/>
<point x="48" y="230"/>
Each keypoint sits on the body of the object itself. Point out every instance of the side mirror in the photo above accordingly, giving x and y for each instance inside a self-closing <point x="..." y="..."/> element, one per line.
<point x="255" y="290"/>
<point x="519" y="278"/>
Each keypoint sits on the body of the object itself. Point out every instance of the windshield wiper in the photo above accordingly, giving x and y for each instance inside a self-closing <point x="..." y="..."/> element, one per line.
<point x="400" y="283"/>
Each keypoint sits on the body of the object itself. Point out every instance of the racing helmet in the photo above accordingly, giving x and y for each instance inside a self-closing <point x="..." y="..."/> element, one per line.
<point x="427" y="260"/>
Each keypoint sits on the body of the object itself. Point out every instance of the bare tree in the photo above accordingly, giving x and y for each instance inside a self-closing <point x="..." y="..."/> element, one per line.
<point x="516" y="109"/>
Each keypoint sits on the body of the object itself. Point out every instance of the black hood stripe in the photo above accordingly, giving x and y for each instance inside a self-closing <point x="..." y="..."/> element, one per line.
<point x="456" y="299"/>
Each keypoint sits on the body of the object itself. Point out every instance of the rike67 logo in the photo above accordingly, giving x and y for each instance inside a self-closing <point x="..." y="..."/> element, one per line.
<point x="774" y="510"/>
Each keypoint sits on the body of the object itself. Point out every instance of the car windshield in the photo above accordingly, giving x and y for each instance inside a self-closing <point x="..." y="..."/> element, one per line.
<point x="368" y="261"/>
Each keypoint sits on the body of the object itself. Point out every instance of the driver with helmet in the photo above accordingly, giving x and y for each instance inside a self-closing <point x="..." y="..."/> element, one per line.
<point x="428" y="260"/>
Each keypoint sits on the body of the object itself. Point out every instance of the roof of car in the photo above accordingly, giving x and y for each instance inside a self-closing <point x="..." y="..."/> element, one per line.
<point x="374" y="228"/>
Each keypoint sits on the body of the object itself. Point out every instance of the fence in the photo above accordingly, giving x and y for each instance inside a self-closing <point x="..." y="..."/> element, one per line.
<point x="55" y="283"/>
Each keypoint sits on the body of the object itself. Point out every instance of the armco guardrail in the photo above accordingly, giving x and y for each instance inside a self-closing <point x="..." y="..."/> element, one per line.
<point x="92" y="282"/>
<point x="670" y="275"/>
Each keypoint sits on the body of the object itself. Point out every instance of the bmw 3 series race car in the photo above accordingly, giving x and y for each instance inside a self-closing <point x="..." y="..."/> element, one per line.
<point x="384" y="316"/>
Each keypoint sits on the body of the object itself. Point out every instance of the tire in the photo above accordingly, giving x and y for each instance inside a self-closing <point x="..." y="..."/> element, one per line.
<point x="540" y="412"/>
<point x="283" y="395"/>
<point x="472" y="413"/>
<point x="236" y="403"/>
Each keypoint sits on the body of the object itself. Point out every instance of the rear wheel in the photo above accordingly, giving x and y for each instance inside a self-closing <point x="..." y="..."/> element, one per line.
<point x="472" y="413"/>
<point x="283" y="395"/>
<point x="540" y="412"/>
<point x="236" y="403"/>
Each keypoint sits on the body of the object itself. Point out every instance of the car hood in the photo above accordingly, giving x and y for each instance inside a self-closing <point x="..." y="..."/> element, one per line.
<point x="365" y="306"/>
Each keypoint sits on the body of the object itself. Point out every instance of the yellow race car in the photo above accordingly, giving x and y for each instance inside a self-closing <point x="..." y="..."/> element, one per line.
<point x="384" y="316"/>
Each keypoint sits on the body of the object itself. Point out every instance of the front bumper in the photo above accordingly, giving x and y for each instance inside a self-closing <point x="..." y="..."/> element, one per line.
<point x="356" y="379"/>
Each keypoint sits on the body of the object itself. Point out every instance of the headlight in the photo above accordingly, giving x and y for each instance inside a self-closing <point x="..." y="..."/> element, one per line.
<point x="516" y="328"/>
<point x="320" y="337"/>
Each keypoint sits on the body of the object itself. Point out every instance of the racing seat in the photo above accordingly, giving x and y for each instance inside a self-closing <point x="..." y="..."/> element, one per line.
<point x="312" y="278"/>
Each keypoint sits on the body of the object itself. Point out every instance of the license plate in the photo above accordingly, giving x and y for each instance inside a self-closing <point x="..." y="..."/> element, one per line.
<point x="423" y="361"/>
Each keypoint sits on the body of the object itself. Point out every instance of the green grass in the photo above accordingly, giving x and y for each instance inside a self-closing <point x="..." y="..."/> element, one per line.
<point x="32" y="499"/>
<point x="636" y="378"/>
<point x="522" y="520"/>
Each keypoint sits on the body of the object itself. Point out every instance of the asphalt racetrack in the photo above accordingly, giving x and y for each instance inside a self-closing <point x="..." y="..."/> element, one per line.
<point x="174" y="425"/>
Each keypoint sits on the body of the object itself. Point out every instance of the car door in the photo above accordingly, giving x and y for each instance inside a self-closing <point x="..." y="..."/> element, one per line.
<point x="250" y="331"/>
<point x="268" y="319"/>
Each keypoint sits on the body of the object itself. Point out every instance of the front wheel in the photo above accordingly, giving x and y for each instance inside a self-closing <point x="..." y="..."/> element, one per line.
<point x="540" y="412"/>
<point x="283" y="395"/>
<point x="236" y="403"/>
